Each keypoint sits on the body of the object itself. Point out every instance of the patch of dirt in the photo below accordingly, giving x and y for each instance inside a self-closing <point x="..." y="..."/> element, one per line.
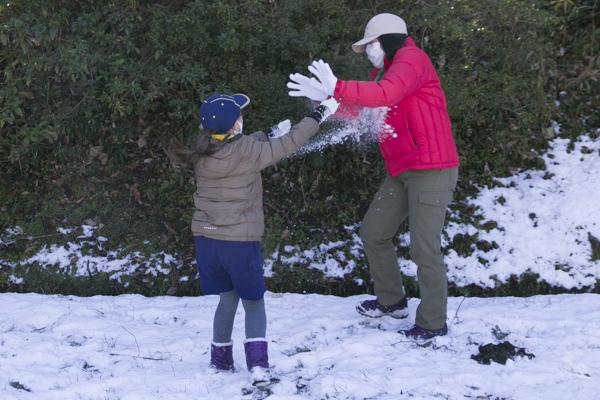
<point x="499" y="353"/>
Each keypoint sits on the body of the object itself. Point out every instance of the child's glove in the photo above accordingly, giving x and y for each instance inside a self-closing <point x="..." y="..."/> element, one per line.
<point x="279" y="130"/>
<point x="324" y="110"/>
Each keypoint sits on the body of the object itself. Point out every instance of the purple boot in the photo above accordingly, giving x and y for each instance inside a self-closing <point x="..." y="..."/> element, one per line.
<point x="221" y="356"/>
<point x="256" y="353"/>
<point x="257" y="361"/>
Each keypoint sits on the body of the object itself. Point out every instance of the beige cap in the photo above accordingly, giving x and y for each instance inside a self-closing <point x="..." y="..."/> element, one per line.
<point x="380" y="24"/>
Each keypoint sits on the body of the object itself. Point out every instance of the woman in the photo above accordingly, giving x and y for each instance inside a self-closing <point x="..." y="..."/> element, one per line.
<point x="421" y="161"/>
<point x="228" y="222"/>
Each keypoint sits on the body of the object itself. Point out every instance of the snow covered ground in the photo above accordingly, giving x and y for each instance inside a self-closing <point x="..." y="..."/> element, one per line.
<point x="132" y="347"/>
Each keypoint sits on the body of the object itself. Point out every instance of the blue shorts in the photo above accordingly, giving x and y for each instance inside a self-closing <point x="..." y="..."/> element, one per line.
<point x="226" y="265"/>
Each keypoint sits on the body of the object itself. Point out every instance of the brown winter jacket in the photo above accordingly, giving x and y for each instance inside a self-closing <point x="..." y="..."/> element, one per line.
<point x="228" y="197"/>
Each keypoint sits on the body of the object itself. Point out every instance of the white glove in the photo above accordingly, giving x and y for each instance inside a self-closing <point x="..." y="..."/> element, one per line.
<point x="304" y="86"/>
<point x="325" y="75"/>
<point x="331" y="104"/>
<point x="324" y="110"/>
<point x="280" y="129"/>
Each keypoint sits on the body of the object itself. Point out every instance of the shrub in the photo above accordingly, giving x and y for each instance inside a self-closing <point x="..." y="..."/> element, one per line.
<point x="92" y="91"/>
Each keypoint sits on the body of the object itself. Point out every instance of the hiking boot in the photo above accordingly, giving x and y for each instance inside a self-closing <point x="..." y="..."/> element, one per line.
<point x="416" y="332"/>
<point x="221" y="356"/>
<point x="372" y="309"/>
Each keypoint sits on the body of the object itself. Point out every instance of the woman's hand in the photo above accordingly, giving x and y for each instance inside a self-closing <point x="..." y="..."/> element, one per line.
<point x="303" y="86"/>
<point x="326" y="79"/>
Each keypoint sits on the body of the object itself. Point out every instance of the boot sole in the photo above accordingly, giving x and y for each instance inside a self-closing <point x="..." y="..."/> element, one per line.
<point x="396" y="316"/>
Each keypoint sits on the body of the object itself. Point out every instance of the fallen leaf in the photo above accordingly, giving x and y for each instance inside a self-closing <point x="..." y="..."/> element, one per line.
<point x="487" y="169"/>
<point x="137" y="195"/>
<point x="171" y="230"/>
<point x="172" y="290"/>
<point x="548" y="133"/>
<point x="95" y="151"/>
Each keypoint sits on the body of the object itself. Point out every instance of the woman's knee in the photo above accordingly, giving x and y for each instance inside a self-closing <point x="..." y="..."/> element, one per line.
<point x="425" y="249"/>
<point x="369" y="232"/>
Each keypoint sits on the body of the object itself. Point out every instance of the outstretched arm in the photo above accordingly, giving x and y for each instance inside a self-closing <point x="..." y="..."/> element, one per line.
<point x="267" y="153"/>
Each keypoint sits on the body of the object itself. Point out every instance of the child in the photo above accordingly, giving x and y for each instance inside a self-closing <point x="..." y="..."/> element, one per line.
<point x="228" y="222"/>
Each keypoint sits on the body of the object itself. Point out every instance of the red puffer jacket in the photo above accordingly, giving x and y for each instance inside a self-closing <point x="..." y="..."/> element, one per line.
<point x="418" y="135"/>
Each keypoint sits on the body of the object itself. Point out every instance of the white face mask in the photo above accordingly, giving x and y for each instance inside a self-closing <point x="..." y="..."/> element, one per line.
<point x="241" y="125"/>
<point x="375" y="54"/>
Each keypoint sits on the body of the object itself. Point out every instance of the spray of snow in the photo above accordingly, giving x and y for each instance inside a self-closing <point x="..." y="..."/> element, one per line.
<point x="365" y="129"/>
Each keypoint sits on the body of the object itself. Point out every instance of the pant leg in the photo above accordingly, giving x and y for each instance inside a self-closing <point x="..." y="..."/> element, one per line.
<point x="224" y="316"/>
<point x="380" y="224"/>
<point x="429" y="193"/>
<point x="256" y="318"/>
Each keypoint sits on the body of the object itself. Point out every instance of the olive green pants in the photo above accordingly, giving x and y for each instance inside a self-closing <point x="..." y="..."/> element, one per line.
<point x="422" y="196"/>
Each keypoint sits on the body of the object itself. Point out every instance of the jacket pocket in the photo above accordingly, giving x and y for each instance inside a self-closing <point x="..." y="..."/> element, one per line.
<point x="436" y="198"/>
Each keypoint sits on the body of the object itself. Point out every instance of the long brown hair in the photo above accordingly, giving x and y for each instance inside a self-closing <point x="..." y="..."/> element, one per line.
<point x="202" y="146"/>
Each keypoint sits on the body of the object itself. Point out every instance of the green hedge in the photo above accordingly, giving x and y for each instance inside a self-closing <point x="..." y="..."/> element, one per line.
<point x="89" y="71"/>
<point x="93" y="90"/>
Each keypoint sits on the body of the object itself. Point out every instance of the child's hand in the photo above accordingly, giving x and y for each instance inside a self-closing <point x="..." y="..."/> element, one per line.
<point x="279" y="130"/>
<point x="331" y="104"/>
<point x="325" y="110"/>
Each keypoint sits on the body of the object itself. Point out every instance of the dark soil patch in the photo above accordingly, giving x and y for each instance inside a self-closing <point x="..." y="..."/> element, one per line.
<point x="499" y="353"/>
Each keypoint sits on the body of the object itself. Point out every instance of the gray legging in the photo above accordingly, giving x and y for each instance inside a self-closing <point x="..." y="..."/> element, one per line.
<point x="256" y="317"/>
